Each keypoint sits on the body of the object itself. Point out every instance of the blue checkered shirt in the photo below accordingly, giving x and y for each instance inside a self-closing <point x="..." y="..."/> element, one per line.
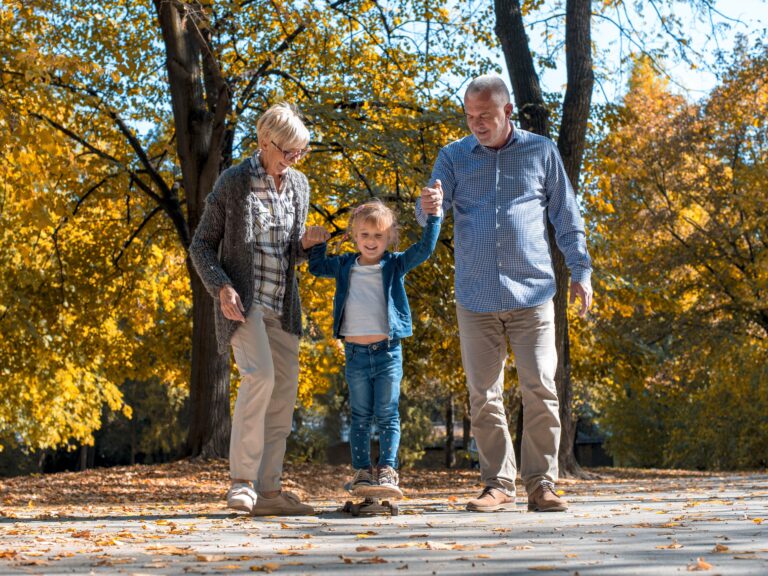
<point x="500" y="201"/>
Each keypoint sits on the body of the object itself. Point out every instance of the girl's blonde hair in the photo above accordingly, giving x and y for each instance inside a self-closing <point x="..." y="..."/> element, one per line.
<point x="377" y="213"/>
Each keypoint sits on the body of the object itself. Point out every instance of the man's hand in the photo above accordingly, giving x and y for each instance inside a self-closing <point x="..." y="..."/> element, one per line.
<point x="231" y="306"/>
<point x="314" y="235"/>
<point x="582" y="290"/>
<point x="432" y="199"/>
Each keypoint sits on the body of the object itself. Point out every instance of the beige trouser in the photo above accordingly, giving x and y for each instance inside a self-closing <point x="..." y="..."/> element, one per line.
<point x="268" y="360"/>
<point x="531" y="333"/>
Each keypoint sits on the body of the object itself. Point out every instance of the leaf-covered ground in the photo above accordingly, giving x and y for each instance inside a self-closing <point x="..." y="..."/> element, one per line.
<point x="171" y="519"/>
<point x="205" y="481"/>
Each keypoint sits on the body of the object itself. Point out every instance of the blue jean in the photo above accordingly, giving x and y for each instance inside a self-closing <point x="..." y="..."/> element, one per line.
<point x="373" y="375"/>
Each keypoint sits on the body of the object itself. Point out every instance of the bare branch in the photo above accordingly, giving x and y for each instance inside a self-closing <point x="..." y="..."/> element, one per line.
<point x="135" y="234"/>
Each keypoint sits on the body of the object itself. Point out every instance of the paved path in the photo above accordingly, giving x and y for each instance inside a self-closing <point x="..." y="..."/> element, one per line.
<point x="715" y="524"/>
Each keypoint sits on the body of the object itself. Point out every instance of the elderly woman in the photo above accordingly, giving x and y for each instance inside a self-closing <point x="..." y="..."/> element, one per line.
<point x="245" y="250"/>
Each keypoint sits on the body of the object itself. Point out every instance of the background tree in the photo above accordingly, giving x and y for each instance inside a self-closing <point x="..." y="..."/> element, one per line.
<point x="568" y="28"/>
<point x="680" y="225"/>
<point x="138" y="108"/>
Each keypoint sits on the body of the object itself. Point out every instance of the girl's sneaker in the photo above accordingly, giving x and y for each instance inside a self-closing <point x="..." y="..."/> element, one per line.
<point x="386" y="485"/>
<point x="361" y="482"/>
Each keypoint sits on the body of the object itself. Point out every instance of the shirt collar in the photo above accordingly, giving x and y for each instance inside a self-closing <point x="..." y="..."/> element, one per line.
<point x="513" y="137"/>
<point x="257" y="169"/>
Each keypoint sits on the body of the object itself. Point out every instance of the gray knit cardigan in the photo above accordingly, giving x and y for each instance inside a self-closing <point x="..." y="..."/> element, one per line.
<point x="225" y="225"/>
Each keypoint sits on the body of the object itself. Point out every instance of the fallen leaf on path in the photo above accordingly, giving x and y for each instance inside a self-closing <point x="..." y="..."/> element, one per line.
<point x="720" y="548"/>
<point x="373" y="560"/>
<point x="674" y="546"/>
<point x="436" y="545"/>
<point x="268" y="567"/>
<point x="365" y="549"/>
<point x="543" y="568"/>
<point x="493" y="544"/>
<point x="33" y="563"/>
<point x="172" y="550"/>
<point x="699" y="566"/>
<point x="210" y="557"/>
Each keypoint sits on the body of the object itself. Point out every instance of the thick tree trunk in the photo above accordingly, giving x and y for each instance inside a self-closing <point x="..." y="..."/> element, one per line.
<point x="466" y="426"/>
<point x="209" y="414"/>
<point x="200" y="102"/>
<point x="571" y="141"/>
<point x="526" y="89"/>
<point x="529" y="101"/>
<point x="450" y="445"/>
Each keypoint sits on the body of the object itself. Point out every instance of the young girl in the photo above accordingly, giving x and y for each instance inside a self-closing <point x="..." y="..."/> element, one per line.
<point x="371" y="315"/>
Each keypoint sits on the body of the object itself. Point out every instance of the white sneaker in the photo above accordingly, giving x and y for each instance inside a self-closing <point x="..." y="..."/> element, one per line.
<point x="241" y="496"/>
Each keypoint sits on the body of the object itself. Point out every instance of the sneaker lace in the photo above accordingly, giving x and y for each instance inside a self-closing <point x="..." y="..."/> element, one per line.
<point x="387" y="475"/>
<point x="362" y="475"/>
<point x="240" y="488"/>
<point x="547" y="485"/>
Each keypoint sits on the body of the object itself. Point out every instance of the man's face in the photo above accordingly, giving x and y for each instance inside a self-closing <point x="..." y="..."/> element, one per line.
<point x="488" y="118"/>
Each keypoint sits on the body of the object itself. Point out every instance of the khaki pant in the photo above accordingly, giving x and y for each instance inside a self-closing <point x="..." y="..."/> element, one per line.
<point x="268" y="360"/>
<point x="531" y="334"/>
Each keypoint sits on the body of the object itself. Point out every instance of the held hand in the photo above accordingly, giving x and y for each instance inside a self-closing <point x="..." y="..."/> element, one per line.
<point x="432" y="198"/>
<point x="582" y="290"/>
<point x="231" y="306"/>
<point x="314" y="235"/>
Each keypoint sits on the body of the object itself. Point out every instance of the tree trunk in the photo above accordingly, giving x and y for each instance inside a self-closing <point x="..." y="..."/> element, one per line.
<point x="529" y="101"/>
<point x="83" y="465"/>
<point x="466" y="425"/>
<point x="200" y="102"/>
<point x="517" y="443"/>
<point x="571" y="141"/>
<point x="450" y="445"/>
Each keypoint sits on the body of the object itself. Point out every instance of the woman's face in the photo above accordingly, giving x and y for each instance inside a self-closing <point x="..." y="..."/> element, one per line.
<point x="277" y="158"/>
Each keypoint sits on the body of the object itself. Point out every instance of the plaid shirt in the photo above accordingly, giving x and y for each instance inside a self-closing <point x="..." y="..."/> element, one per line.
<point x="501" y="200"/>
<point x="271" y="216"/>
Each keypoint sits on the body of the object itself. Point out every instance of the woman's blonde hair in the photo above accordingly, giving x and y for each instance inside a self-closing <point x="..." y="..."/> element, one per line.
<point x="375" y="212"/>
<point x="282" y="123"/>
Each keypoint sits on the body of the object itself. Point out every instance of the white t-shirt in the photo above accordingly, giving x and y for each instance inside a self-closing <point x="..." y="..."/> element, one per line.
<point x="365" y="311"/>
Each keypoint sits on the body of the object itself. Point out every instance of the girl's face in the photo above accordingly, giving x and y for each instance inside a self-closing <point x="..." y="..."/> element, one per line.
<point x="371" y="242"/>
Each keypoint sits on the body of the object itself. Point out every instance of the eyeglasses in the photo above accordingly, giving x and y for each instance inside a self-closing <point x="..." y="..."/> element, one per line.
<point x="291" y="156"/>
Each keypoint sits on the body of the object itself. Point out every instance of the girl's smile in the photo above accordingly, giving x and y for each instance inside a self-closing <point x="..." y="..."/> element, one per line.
<point x="371" y="242"/>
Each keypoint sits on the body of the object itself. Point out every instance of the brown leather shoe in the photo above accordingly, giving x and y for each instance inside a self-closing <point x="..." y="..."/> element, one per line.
<point x="491" y="500"/>
<point x="544" y="499"/>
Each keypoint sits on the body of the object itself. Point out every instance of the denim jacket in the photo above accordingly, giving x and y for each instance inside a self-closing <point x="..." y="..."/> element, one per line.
<point x="394" y="266"/>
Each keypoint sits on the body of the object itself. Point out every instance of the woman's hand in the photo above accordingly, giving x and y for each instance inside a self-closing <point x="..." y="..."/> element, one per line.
<point x="314" y="235"/>
<point x="231" y="306"/>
